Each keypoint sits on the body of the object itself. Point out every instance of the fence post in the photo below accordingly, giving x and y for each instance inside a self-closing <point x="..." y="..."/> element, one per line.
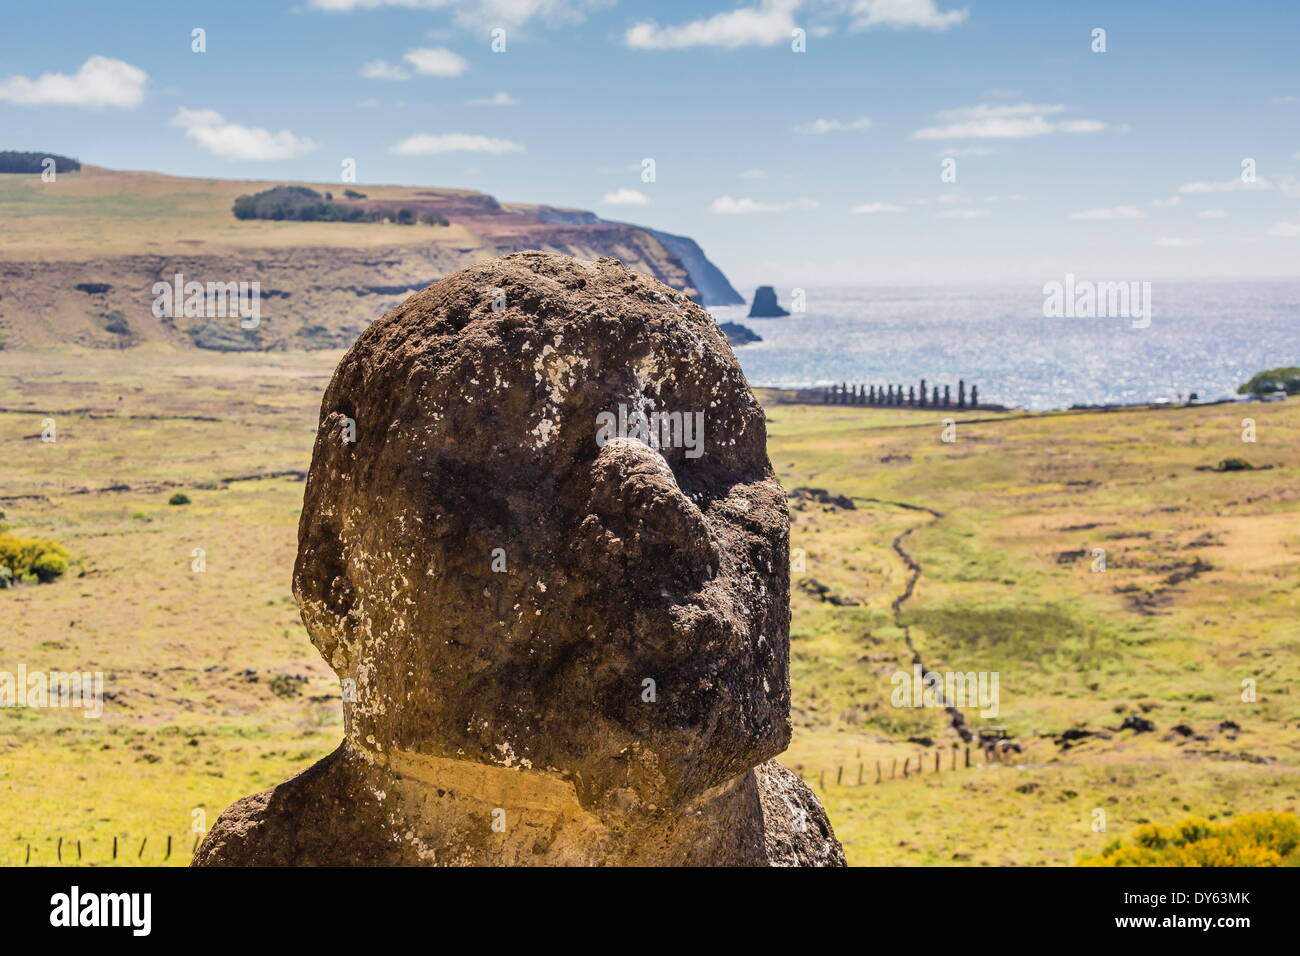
<point x="78" y="849"/>
<point x="821" y="780"/>
<point x="839" y="775"/>
<point x="937" y="755"/>
<point x="893" y="768"/>
<point x="906" y="762"/>
<point x="968" y="755"/>
<point x="115" y="848"/>
<point x="142" y="843"/>
<point x="859" y="775"/>
<point x="878" y="777"/>
<point x="169" y="847"/>
<point x="60" y="849"/>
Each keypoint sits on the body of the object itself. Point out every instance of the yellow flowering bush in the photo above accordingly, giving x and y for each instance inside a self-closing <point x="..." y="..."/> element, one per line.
<point x="1253" y="839"/>
<point x="31" y="559"/>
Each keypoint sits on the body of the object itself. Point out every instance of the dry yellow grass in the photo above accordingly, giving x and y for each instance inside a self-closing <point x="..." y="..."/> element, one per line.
<point x="190" y="657"/>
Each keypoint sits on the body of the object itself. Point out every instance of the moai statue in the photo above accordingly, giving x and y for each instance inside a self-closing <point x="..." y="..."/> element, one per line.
<point x="934" y="399"/>
<point x="844" y="393"/>
<point x="921" y="393"/>
<point x="871" y="395"/>
<point x="617" y="697"/>
<point x="961" y="393"/>
<point x="974" y="396"/>
<point x="911" y="394"/>
<point x="947" y="395"/>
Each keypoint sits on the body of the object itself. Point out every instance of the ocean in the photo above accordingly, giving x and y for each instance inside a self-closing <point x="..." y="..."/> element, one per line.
<point x="1203" y="337"/>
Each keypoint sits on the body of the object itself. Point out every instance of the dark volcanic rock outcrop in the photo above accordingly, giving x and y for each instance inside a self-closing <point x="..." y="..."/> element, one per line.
<point x="765" y="305"/>
<point x="558" y="644"/>
<point x="738" y="334"/>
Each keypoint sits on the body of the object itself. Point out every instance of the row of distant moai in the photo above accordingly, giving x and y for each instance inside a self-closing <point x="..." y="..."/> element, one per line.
<point x="845" y="394"/>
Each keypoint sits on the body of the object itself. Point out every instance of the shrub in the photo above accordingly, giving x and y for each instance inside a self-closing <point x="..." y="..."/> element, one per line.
<point x="1287" y="379"/>
<point x="295" y="203"/>
<point x="31" y="559"/>
<point x="180" y="498"/>
<point x="287" y="685"/>
<point x="1235" y="464"/>
<point x="1253" y="839"/>
<point x="16" y="162"/>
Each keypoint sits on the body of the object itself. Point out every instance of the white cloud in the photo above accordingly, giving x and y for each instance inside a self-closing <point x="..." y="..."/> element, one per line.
<point x="426" y="144"/>
<point x="834" y="126"/>
<point x="1213" y="214"/>
<point x="963" y="214"/>
<point x="383" y="70"/>
<point x="1004" y="122"/>
<point x="765" y="25"/>
<point x="231" y="141"/>
<point x="753" y="174"/>
<point x="1110" y="213"/>
<point x="960" y="151"/>
<point x="625" y="197"/>
<point x="1225" y="186"/>
<point x="1173" y="242"/>
<point x="726" y="205"/>
<point x="770" y="22"/>
<point x="436" y="61"/>
<point x="1285" y="230"/>
<point x="100" y="82"/>
<point x="871" y="208"/>
<point x="476" y="14"/>
<point x="1171" y="201"/>
<point x="496" y="99"/>
<point x="904" y="13"/>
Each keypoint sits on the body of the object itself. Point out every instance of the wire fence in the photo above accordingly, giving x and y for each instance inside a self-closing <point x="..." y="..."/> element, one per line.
<point x="921" y="764"/>
<point x="120" y="850"/>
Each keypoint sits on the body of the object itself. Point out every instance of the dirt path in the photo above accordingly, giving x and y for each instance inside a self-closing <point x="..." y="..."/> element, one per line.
<point x="955" y="717"/>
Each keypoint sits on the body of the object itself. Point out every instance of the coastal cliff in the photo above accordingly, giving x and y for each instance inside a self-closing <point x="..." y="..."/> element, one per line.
<point x="75" y="270"/>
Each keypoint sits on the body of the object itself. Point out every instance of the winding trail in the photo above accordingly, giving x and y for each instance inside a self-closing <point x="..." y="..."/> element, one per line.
<point x="955" y="717"/>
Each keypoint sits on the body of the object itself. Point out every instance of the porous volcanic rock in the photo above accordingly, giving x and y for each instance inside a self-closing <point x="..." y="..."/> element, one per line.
<point x="558" y="644"/>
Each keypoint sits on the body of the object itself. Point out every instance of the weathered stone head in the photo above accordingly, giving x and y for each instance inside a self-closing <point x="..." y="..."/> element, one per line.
<point x="541" y="531"/>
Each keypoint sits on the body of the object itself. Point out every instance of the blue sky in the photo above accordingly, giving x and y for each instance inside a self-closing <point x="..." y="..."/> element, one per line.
<point x="796" y="168"/>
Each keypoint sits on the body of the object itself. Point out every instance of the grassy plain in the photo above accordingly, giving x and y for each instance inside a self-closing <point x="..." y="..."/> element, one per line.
<point x="100" y="212"/>
<point x="215" y="691"/>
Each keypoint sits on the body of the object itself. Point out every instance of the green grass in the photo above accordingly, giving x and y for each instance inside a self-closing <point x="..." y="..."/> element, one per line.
<point x="189" y="728"/>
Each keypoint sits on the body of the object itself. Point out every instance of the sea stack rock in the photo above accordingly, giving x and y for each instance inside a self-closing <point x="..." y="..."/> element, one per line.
<point x="765" y="305"/>
<point x="561" y="626"/>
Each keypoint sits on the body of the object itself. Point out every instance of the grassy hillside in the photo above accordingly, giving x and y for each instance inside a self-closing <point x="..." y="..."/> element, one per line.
<point x="79" y="257"/>
<point x="217" y="693"/>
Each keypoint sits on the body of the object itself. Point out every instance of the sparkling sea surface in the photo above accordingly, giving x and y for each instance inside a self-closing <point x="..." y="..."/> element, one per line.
<point x="1204" y="337"/>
